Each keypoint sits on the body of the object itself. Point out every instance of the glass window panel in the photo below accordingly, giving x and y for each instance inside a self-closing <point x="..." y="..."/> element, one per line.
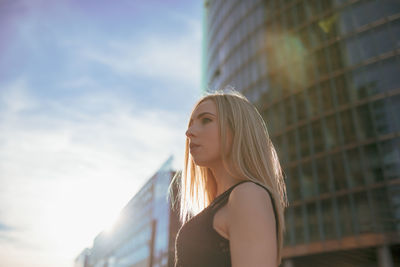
<point x="295" y="183"/>
<point x="335" y="56"/>
<point x="300" y="106"/>
<point x="304" y="37"/>
<point x="304" y="141"/>
<point x="313" y="103"/>
<point x="352" y="51"/>
<point x="349" y="132"/>
<point x="322" y="62"/>
<point x="345" y="20"/>
<point x="382" y="211"/>
<point x="317" y="35"/>
<point x="345" y="215"/>
<point x="391" y="158"/>
<point x="365" y="81"/>
<point x="307" y="181"/>
<point x="339" y="175"/>
<point x="387" y="74"/>
<point x="363" y="212"/>
<point x="369" y="11"/>
<point x="312" y="221"/>
<point x="332" y="135"/>
<point x="288" y="111"/>
<point x="356" y="168"/>
<point x="317" y="136"/>
<point x="323" y="175"/>
<point x="292" y="145"/>
<point x="383" y="39"/>
<point x="311" y="67"/>
<point x="298" y="225"/>
<point x="326" y="94"/>
<point x="367" y="46"/>
<point x="382" y="117"/>
<point x="290" y="18"/>
<point x="342" y="91"/>
<point x="394" y="27"/>
<point x="328" y="218"/>
<point x="301" y="13"/>
<point x="395" y="104"/>
<point x="364" y="122"/>
<point x="374" y="171"/>
<point x="288" y="222"/>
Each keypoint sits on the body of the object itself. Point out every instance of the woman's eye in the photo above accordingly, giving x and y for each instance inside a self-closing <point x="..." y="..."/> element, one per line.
<point x="205" y="120"/>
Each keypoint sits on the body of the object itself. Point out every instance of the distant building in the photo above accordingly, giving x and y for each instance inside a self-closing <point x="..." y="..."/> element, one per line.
<point x="82" y="260"/>
<point x="145" y="233"/>
<point x="325" y="75"/>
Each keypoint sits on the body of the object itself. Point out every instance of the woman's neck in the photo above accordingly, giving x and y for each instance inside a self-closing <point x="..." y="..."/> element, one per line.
<point x="223" y="179"/>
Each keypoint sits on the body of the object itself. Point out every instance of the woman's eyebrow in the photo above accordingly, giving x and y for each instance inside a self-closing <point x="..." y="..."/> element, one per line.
<point x="200" y="115"/>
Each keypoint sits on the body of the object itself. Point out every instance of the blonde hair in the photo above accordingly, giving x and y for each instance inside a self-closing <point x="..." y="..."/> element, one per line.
<point x="252" y="157"/>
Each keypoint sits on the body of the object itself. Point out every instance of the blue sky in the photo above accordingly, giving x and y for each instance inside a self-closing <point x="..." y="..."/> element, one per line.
<point x="94" y="97"/>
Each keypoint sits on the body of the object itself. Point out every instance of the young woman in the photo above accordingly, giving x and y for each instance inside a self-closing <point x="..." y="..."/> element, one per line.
<point x="232" y="192"/>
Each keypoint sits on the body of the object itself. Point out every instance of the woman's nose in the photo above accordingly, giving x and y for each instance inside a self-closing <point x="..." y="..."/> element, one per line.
<point x="189" y="132"/>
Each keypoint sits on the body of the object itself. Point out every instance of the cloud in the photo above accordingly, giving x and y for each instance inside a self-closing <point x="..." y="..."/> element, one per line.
<point x="64" y="172"/>
<point x="158" y="57"/>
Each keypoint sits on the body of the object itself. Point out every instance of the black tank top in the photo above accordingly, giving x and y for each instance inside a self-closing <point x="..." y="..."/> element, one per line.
<point x="198" y="244"/>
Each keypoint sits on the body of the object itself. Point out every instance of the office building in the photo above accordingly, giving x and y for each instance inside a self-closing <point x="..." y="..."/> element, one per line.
<point x="144" y="235"/>
<point x="325" y="75"/>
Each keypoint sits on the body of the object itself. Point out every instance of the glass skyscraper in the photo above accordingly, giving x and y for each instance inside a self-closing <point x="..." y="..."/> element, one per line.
<point x="145" y="232"/>
<point x="325" y="75"/>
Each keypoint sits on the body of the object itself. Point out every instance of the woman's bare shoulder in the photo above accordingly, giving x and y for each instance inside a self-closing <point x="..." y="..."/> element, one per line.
<point x="251" y="226"/>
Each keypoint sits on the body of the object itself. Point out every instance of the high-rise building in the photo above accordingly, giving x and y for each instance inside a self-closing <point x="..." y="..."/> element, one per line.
<point x="145" y="232"/>
<point x="325" y="75"/>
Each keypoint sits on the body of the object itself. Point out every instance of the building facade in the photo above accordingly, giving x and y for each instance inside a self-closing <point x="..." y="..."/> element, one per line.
<point x="144" y="235"/>
<point x="325" y="76"/>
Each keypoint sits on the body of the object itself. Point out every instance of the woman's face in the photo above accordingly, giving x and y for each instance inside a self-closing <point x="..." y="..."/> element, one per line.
<point x="203" y="134"/>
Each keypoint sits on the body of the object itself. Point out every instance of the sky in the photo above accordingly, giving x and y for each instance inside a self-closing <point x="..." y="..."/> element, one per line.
<point x="94" y="96"/>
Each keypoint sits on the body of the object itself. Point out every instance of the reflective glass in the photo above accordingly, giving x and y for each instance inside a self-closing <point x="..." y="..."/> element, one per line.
<point x="373" y="168"/>
<point x="300" y="106"/>
<point x="326" y="95"/>
<point x="355" y="166"/>
<point x="363" y="212"/>
<point x="317" y="136"/>
<point x="342" y="93"/>
<point x="313" y="227"/>
<point x="323" y="175"/>
<point x="294" y="183"/>
<point x="299" y="225"/>
<point x="328" y="219"/>
<point x="364" y="122"/>
<point x="339" y="175"/>
<point x="332" y="135"/>
<point x="349" y="132"/>
<point x="395" y="104"/>
<point x="288" y="111"/>
<point x="345" y="215"/>
<point x="391" y="158"/>
<point x="313" y="103"/>
<point x="382" y="117"/>
<point x="304" y="141"/>
<point x="383" y="214"/>
<point x="307" y="181"/>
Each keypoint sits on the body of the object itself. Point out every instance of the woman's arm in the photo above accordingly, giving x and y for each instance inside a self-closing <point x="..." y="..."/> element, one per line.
<point x="251" y="227"/>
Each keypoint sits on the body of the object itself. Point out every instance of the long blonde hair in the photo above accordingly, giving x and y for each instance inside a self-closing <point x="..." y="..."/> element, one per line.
<point x="252" y="157"/>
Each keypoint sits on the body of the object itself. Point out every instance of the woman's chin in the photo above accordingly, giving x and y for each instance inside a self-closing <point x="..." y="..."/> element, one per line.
<point x="199" y="162"/>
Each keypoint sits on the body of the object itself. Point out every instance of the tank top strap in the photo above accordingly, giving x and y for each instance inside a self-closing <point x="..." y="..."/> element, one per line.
<point x="223" y="198"/>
